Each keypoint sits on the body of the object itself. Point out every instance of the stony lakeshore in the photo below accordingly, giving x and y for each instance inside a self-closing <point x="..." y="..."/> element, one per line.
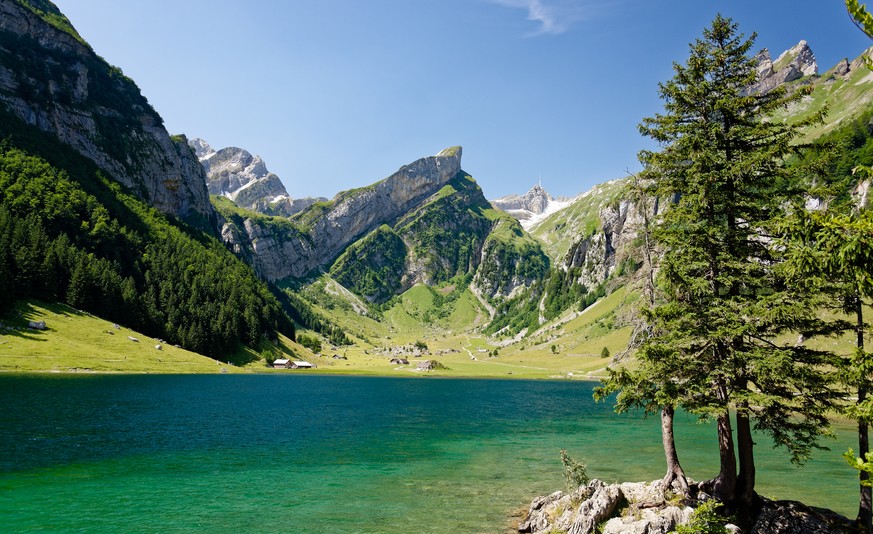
<point x="653" y="508"/>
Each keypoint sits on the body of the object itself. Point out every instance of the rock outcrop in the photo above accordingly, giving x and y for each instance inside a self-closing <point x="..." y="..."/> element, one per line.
<point x="606" y="508"/>
<point x="238" y="175"/>
<point x="51" y="79"/>
<point x="595" y="257"/>
<point x="652" y="508"/>
<point x="791" y="65"/>
<point x="792" y="517"/>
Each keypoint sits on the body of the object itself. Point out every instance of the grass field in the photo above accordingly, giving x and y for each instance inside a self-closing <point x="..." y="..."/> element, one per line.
<point x="569" y="347"/>
<point x="75" y="341"/>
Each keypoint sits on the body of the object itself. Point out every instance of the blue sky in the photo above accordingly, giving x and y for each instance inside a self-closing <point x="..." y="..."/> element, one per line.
<point x="336" y="94"/>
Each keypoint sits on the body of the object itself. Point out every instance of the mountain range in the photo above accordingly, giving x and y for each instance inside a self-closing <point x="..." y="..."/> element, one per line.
<point x="518" y="264"/>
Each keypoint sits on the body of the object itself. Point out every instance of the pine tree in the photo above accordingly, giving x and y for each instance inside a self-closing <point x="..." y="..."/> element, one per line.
<point x="723" y="303"/>
<point x="7" y="264"/>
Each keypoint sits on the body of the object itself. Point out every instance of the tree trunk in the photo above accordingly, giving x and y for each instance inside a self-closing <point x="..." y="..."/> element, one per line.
<point x="745" y="490"/>
<point x="724" y="485"/>
<point x="674" y="470"/>
<point x="865" y="504"/>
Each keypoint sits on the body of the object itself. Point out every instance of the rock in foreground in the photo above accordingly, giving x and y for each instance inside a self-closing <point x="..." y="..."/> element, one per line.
<point x="652" y="508"/>
<point x="608" y="508"/>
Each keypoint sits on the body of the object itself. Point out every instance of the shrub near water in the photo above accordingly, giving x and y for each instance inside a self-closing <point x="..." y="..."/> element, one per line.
<point x="575" y="471"/>
<point x="705" y="520"/>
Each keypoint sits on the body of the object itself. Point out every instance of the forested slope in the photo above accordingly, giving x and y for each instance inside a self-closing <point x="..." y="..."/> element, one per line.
<point x="70" y="234"/>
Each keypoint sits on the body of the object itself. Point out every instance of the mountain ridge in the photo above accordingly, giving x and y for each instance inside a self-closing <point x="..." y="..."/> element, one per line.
<point x="425" y="223"/>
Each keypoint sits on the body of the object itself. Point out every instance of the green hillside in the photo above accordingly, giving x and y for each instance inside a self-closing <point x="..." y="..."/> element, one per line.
<point x="76" y="341"/>
<point x="69" y="234"/>
<point x="842" y="97"/>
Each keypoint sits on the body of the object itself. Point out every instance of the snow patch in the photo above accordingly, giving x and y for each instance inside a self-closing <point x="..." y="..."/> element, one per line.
<point x="552" y="207"/>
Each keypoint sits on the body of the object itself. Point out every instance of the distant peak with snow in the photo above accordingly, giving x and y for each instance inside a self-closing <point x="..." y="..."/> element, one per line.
<point x="530" y="207"/>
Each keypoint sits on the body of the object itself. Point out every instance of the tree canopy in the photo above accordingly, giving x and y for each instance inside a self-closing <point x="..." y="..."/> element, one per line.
<point x="724" y="319"/>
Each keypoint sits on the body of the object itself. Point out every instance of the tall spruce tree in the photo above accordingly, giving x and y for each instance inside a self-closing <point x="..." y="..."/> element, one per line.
<point x="832" y="250"/>
<point x="725" y="311"/>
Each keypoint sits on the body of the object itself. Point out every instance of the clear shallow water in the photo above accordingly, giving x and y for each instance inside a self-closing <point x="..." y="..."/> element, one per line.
<point x="331" y="454"/>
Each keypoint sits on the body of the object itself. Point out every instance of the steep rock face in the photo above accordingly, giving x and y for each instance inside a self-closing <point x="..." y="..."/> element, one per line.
<point x="453" y="232"/>
<point x="238" y="175"/>
<point x="597" y="255"/>
<point x="319" y="234"/>
<point x="793" y="64"/>
<point x="445" y="234"/>
<point x="438" y="239"/>
<point x="51" y="79"/>
<point x="511" y="260"/>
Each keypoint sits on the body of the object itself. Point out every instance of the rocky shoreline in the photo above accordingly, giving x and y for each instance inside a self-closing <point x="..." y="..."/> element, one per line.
<point x="654" y="508"/>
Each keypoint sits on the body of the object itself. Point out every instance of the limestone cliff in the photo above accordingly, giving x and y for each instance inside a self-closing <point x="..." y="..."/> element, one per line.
<point x="238" y="175"/>
<point x="315" y="237"/>
<point x="596" y="257"/>
<point x="50" y="78"/>
<point x="426" y="223"/>
<point x="454" y="232"/>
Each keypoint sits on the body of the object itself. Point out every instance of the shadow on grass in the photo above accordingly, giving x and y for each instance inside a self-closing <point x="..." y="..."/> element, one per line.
<point x="24" y="312"/>
<point x="243" y="356"/>
<point x="31" y="335"/>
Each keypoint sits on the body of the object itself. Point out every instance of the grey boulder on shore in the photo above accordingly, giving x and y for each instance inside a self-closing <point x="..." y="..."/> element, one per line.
<point x="652" y="508"/>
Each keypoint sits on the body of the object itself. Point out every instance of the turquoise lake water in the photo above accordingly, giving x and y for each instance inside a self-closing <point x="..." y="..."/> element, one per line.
<point x="121" y="453"/>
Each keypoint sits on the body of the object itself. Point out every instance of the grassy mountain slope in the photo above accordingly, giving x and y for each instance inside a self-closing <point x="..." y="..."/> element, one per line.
<point x="843" y="95"/>
<point x="77" y="341"/>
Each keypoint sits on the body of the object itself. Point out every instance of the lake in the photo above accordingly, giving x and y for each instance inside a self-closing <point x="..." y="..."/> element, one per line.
<point x="292" y="453"/>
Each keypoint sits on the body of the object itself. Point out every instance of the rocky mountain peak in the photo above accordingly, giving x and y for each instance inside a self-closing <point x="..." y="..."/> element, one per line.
<point x="201" y="147"/>
<point x="231" y="171"/>
<point x="535" y="201"/>
<point x="793" y="64"/>
<point x="235" y="173"/>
